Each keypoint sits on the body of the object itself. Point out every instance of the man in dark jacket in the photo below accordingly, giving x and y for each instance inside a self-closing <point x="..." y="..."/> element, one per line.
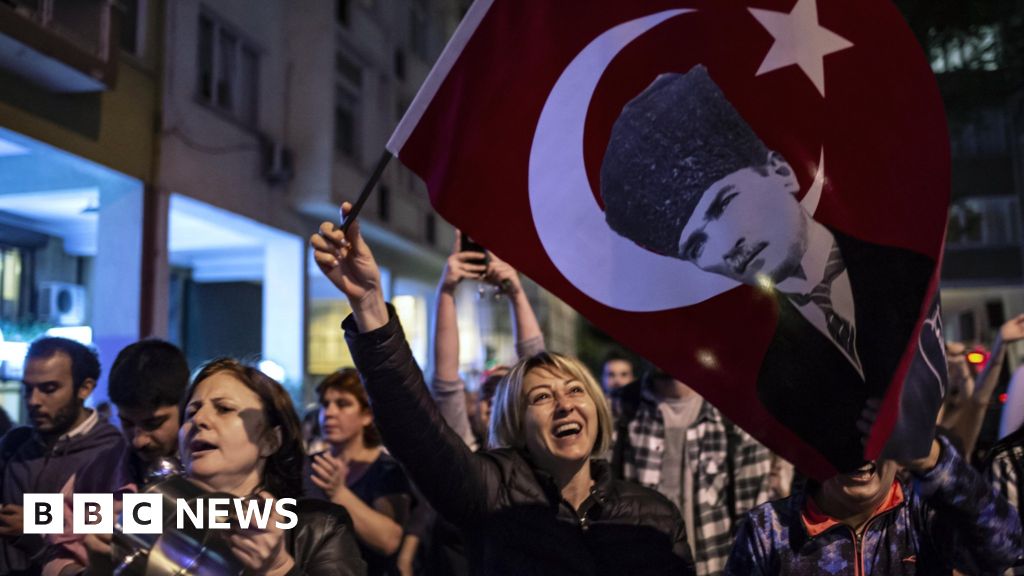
<point x="63" y="436"/>
<point x="867" y="522"/>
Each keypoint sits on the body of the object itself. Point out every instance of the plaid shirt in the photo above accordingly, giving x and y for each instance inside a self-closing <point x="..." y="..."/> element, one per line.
<point x="706" y="445"/>
<point x="1004" y="475"/>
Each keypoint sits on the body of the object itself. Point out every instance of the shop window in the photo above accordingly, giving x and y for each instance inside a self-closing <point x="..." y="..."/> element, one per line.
<point x="327" y="348"/>
<point x="412" y="312"/>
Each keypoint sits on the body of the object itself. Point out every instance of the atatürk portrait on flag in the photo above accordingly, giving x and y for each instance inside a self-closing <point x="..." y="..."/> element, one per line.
<point x="685" y="176"/>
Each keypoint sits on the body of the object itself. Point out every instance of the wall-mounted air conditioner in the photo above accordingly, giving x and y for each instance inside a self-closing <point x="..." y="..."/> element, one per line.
<point x="62" y="303"/>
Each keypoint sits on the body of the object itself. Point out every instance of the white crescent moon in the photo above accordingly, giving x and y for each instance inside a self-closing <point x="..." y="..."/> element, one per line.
<point x="603" y="265"/>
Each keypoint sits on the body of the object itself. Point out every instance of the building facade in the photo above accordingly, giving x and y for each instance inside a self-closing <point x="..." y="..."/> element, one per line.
<point x="78" y="96"/>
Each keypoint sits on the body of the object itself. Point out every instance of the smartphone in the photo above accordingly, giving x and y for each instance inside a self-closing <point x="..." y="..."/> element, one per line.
<point x="468" y="245"/>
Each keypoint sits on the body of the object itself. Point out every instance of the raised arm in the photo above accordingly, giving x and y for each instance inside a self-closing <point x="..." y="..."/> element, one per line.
<point x="453" y="480"/>
<point x="978" y="531"/>
<point x="349" y="264"/>
<point x="529" y="338"/>
<point x="448" y="389"/>
<point x="968" y="425"/>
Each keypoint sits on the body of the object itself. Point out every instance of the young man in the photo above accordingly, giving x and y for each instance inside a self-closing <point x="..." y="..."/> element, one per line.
<point x="670" y="439"/>
<point x="147" y="381"/>
<point x="63" y="436"/>
<point x="684" y="176"/>
<point x="868" y="522"/>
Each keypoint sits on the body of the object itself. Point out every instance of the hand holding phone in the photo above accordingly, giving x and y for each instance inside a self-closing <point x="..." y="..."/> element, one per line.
<point x="468" y="245"/>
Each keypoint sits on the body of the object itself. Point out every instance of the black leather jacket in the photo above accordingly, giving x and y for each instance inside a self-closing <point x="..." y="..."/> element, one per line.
<point x="323" y="542"/>
<point x="511" y="513"/>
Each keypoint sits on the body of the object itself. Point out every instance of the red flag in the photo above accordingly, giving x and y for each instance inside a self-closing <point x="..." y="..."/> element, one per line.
<point x="752" y="197"/>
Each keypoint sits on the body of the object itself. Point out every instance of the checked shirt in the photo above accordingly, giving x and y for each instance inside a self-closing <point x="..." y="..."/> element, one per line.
<point x="707" y="444"/>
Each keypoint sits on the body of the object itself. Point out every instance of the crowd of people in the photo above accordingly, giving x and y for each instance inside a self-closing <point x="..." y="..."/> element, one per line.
<point x="540" y="469"/>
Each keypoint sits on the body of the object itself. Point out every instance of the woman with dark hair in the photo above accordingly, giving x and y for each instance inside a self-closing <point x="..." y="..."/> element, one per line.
<point x="356" y="473"/>
<point x="241" y="436"/>
<point x="539" y="500"/>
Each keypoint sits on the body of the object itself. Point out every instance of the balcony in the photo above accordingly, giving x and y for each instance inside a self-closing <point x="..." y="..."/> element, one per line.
<point x="61" y="45"/>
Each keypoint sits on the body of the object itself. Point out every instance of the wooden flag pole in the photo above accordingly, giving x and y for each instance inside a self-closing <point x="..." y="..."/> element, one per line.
<point x="367" y="190"/>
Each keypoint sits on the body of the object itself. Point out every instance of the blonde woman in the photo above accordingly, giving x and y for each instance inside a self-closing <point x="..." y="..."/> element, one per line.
<point x="537" y="501"/>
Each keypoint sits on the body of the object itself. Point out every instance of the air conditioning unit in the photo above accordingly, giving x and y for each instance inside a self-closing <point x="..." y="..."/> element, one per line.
<point x="62" y="303"/>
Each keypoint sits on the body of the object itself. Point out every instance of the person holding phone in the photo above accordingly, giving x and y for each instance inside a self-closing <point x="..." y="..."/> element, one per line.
<point x="470" y="261"/>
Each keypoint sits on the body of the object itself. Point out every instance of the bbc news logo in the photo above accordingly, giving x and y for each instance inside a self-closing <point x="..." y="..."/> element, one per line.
<point x="144" y="513"/>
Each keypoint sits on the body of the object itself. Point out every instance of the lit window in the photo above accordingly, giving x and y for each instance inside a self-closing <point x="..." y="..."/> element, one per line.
<point x="412" y="312"/>
<point x="327" y="348"/>
<point x="10" y="282"/>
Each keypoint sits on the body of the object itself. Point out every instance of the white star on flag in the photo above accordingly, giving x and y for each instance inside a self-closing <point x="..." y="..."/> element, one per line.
<point x="800" y="40"/>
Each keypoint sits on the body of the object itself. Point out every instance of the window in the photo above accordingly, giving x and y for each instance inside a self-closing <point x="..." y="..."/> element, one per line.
<point x="419" y="30"/>
<point x="228" y="71"/>
<point x="411" y="309"/>
<point x="400" y="64"/>
<point x="979" y="49"/>
<point x="984" y="222"/>
<point x="348" y="71"/>
<point x="342" y="14"/>
<point x="384" y="204"/>
<point x="400" y="108"/>
<point x="431" y="231"/>
<point x="10" y="283"/>
<point x="132" y="27"/>
<point x="345" y="122"/>
<point x="346" y="105"/>
<point x="327" y="348"/>
<point x="83" y="22"/>
<point x="967" y="326"/>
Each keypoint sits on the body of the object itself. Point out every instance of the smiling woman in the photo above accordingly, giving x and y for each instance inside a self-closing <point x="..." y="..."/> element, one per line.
<point x="241" y="436"/>
<point x="564" y="419"/>
<point x="540" y="501"/>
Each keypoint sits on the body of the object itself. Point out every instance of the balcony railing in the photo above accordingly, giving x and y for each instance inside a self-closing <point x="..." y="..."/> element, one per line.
<point x="61" y="45"/>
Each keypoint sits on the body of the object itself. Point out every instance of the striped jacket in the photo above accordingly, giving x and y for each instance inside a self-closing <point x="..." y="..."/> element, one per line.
<point x="723" y="490"/>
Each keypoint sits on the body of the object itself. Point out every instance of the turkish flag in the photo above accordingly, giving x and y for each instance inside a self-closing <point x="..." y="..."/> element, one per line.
<point x="752" y="195"/>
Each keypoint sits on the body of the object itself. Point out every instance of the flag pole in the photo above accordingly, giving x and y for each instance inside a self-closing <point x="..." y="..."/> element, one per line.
<point x="367" y="190"/>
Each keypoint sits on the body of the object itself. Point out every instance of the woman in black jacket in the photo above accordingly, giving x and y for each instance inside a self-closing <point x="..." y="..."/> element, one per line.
<point x="240" y="435"/>
<point x="536" y="502"/>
